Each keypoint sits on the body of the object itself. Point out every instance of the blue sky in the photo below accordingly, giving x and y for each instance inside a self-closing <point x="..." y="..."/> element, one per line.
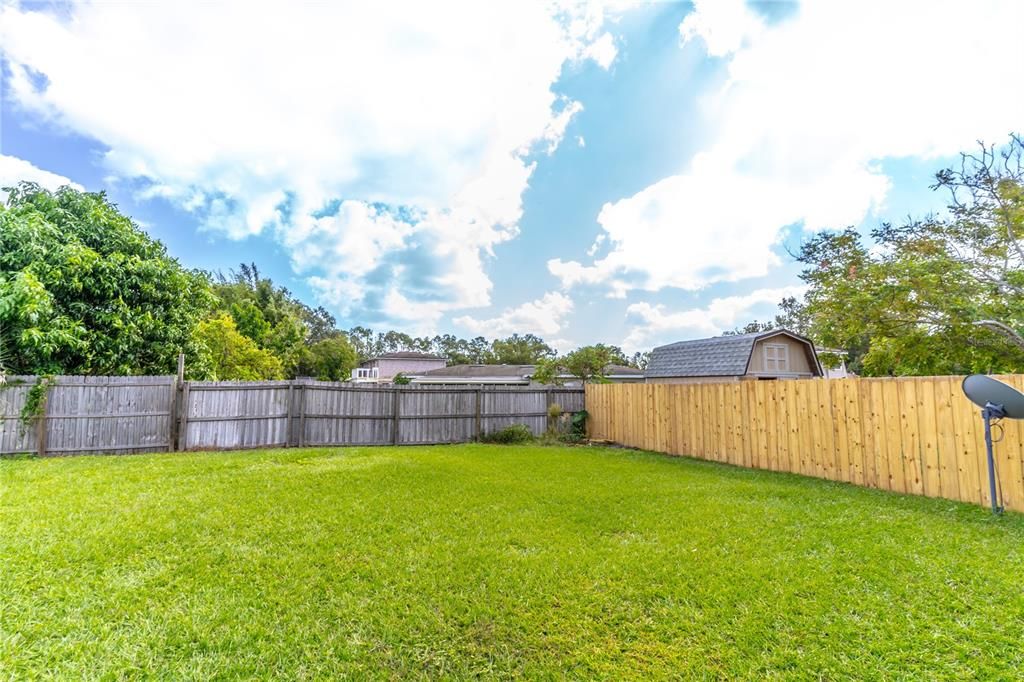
<point x="625" y="173"/>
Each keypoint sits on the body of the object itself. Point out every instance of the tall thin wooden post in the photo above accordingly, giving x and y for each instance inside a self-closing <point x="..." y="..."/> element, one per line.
<point x="41" y="423"/>
<point x="396" y="413"/>
<point x="547" y="410"/>
<point x="477" y="420"/>
<point x="177" y="384"/>
<point x="302" y="415"/>
<point x="183" y="420"/>
<point x="172" y="428"/>
<point x="288" y="425"/>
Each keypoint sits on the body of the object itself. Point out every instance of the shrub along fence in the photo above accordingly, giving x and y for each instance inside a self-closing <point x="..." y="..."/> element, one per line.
<point x="911" y="435"/>
<point x="145" y="414"/>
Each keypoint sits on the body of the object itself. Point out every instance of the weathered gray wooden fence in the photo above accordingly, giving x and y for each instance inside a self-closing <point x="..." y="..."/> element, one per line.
<point x="141" y="414"/>
<point x="88" y="414"/>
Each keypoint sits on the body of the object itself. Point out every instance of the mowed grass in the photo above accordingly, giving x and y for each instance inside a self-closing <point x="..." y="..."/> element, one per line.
<point x="479" y="560"/>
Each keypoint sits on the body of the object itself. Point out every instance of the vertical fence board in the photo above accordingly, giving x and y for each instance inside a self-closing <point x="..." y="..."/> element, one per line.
<point x="967" y="473"/>
<point x="927" y="409"/>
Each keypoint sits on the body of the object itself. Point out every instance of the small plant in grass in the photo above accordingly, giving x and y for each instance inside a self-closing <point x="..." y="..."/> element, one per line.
<point x="510" y="435"/>
<point x="577" y="428"/>
<point x="554" y="413"/>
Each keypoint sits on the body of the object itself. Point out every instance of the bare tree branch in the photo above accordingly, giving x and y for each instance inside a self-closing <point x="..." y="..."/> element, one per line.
<point x="1003" y="329"/>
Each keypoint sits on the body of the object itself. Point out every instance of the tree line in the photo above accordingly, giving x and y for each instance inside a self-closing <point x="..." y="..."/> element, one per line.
<point x="83" y="290"/>
<point x="934" y="295"/>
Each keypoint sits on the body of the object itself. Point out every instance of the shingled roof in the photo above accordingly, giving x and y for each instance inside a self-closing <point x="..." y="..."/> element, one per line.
<point x="509" y="374"/>
<point x="521" y="372"/>
<point x="406" y="355"/>
<point x="715" y="357"/>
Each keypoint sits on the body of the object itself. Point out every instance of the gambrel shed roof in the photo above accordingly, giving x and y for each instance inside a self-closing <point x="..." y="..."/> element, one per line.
<point x="715" y="357"/>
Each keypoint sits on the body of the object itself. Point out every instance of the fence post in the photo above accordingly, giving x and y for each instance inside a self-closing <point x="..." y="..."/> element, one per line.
<point x="302" y="415"/>
<point x="288" y="424"/>
<point x="550" y="425"/>
<point x="176" y="385"/>
<point x="183" y="417"/>
<point x="396" y="414"/>
<point x="172" y="435"/>
<point x="476" y="420"/>
<point x="41" y="423"/>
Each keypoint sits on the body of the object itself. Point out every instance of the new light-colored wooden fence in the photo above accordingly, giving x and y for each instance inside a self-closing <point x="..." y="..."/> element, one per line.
<point x="911" y="435"/>
<point x="142" y="414"/>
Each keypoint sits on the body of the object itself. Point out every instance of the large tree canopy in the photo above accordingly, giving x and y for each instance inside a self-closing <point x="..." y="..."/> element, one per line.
<point x="84" y="291"/>
<point x="525" y="349"/>
<point x="230" y="355"/>
<point x="587" y="363"/>
<point x="942" y="295"/>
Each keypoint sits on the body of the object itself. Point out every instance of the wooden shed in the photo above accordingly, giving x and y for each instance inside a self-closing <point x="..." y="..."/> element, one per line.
<point x="775" y="354"/>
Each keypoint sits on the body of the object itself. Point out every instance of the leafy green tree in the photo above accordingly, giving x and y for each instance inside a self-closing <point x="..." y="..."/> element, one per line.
<point x="330" y="359"/>
<point x="320" y="324"/>
<point x="84" y="291"/>
<point x="521" y="350"/>
<point x="392" y="342"/>
<point x="590" y="362"/>
<point x="362" y="339"/>
<point x="231" y="355"/>
<point x="479" y="351"/>
<point x="640" y="359"/>
<point x="271" y="317"/>
<point x="587" y="364"/>
<point x="792" y="316"/>
<point x="453" y="349"/>
<point x="33" y="334"/>
<point x="250" y="321"/>
<point x="370" y="344"/>
<point x="943" y="295"/>
<point x="754" y="327"/>
<point x="548" y="371"/>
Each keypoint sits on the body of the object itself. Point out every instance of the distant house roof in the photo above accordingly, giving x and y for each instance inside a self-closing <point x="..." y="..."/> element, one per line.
<point x="406" y="355"/>
<point x="482" y="371"/>
<point x="479" y="374"/>
<point x="622" y="371"/>
<point x="715" y="357"/>
<point x="507" y="373"/>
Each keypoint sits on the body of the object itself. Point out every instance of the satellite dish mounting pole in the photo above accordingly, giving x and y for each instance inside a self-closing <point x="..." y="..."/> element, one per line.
<point x="996" y="400"/>
<point x="988" y="413"/>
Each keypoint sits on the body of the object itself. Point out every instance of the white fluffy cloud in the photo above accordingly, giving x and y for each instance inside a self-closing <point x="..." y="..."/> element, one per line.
<point x="811" y="106"/>
<point x="257" y="118"/>
<point x="654" y="324"/>
<point x="14" y="170"/>
<point x="544" y="316"/>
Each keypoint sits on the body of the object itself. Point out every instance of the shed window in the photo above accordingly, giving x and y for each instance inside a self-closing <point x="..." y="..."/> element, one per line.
<point x="776" y="357"/>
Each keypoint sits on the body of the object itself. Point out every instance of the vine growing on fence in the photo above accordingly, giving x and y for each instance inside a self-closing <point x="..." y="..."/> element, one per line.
<point x="35" y="400"/>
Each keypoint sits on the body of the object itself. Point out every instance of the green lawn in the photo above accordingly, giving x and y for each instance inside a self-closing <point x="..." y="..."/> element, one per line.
<point x="495" y="561"/>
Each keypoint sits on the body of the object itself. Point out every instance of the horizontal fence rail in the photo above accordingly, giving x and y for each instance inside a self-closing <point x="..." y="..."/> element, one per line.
<point x="911" y="435"/>
<point x="144" y="414"/>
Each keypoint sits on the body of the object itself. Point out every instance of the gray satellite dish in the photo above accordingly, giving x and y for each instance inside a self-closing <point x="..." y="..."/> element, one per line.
<point x="996" y="400"/>
<point x="986" y="392"/>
